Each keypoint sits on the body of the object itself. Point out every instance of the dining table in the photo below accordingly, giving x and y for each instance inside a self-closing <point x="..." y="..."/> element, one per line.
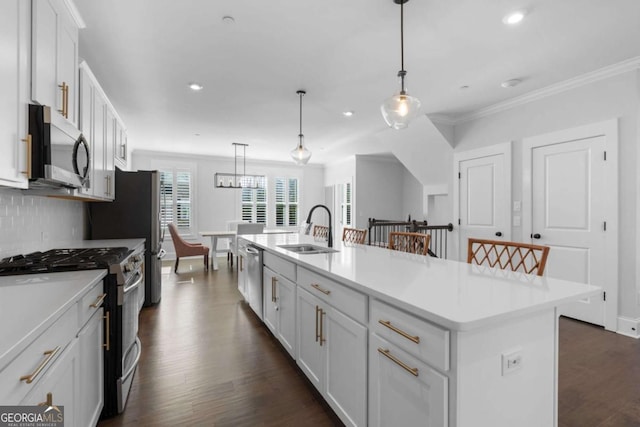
<point x="230" y="235"/>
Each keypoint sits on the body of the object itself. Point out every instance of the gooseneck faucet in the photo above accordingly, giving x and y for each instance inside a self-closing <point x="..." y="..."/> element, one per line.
<point x="308" y="228"/>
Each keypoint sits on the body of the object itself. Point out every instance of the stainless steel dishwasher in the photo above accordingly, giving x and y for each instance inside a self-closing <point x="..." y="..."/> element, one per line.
<point x="254" y="279"/>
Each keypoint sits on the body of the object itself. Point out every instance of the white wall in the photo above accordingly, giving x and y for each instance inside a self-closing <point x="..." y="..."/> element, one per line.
<point x="215" y="206"/>
<point x="614" y="97"/>
<point x="36" y="223"/>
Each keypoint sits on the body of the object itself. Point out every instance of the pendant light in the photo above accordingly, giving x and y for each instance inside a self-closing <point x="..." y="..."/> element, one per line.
<point x="401" y="108"/>
<point x="300" y="154"/>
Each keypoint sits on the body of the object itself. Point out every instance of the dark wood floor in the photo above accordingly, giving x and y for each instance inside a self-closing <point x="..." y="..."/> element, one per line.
<point x="208" y="361"/>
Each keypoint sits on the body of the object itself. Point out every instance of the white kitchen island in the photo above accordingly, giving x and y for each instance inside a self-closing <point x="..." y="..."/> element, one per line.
<point x="390" y="338"/>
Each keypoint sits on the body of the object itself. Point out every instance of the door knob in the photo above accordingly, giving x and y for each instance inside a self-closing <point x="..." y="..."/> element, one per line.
<point x="536" y="236"/>
<point x="499" y="233"/>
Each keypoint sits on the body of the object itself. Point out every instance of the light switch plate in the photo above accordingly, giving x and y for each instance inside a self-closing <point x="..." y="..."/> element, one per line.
<point x="517" y="205"/>
<point x="511" y="362"/>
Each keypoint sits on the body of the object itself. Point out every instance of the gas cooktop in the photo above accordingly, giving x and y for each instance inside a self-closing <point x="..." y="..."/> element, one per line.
<point x="57" y="260"/>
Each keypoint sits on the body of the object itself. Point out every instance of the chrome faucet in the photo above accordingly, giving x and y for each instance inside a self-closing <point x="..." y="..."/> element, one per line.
<point x="308" y="227"/>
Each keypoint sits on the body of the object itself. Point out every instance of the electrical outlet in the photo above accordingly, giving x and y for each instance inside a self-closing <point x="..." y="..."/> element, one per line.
<point x="516" y="220"/>
<point x="45" y="236"/>
<point x="517" y="205"/>
<point x="511" y="362"/>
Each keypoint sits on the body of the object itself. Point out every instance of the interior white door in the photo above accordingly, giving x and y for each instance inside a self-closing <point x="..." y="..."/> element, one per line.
<point x="484" y="199"/>
<point x="568" y="215"/>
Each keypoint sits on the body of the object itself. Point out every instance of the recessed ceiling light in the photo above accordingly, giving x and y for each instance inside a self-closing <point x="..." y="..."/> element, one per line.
<point x="195" y="87"/>
<point x="514" y="18"/>
<point x="229" y="20"/>
<point x="465" y="87"/>
<point x="347" y="113"/>
<point x="511" y="83"/>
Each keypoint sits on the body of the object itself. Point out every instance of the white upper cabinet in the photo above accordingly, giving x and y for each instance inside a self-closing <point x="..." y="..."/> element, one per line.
<point x="14" y="32"/>
<point x="54" y="56"/>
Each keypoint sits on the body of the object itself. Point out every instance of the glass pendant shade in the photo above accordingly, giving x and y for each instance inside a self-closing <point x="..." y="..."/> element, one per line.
<point x="399" y="110"/>
<point x="300" y="154"/>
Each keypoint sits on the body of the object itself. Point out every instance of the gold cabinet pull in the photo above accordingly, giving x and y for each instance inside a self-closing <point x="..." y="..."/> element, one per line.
<point x="385" y="352"/>
<point x="322" y="339"/>
<point x="387" y="323"/>
<point x="50" y="355"/>
<point x="240" y="258"/>
<point x="65" y="100"/>
<point x="48" y="402"/>
<point x="98" y="301"/>
<point x="317" y="333"/>
<point x="29" y="141"/>
<point x="273" y="289"/>
<point x="107" y="343"/>
<point x="324" y="291"/>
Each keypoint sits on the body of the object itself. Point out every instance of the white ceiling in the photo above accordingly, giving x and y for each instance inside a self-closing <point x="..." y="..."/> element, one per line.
<point x="345" y="54"/>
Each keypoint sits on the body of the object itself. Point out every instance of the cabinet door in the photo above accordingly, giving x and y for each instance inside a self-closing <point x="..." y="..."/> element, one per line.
<point x="85" y="122"/>
<point x="91" y="371"/>
<point x="402" y="390"/>
<point x="99" y="181"/>
<point x="67" y="62"/>
<point x="61" y="380"/>
<point x="14" y="24"/>
<point x="109" y="153"/>
<point x="310" y="352"/>
<point x="286" y="295"/>
<point x="242" y="276"/>
<point x="346" y="367"/>
<point x="269" y="294"/>
<point x="44" y="27"/>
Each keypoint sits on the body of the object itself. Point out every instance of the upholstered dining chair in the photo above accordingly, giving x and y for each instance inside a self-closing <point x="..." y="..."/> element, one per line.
<point x="185" y="249"/>
<point x="415" y="243"/>
<point x="523" y="257"/>
<point x="321" y="232"/>
<point x="354" y="235"/>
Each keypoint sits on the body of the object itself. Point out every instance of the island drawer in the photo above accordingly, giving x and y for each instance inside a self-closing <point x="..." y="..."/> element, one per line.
<point x="418" y="337"/>
<point x="281" y="266"/>
<point x="341" y="297"/>
<point x="35" y="360"/>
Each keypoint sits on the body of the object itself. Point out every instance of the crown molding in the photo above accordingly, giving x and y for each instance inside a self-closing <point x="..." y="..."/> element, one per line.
<point x="572" y="83"/>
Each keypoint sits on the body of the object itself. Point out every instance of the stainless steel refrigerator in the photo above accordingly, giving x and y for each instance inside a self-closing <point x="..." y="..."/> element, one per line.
<point x="135" y="213"/>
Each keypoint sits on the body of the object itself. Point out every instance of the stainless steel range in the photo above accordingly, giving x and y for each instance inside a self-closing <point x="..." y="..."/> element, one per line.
<point x="124" y="286"/>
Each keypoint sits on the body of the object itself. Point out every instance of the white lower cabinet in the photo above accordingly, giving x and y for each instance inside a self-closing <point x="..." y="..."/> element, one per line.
<point x="59" y="386"/>
<point x="279" y="311"/>
<point x="332" y="352"/>
<point x="90" y="340"/>
<point x="403" y="391"/>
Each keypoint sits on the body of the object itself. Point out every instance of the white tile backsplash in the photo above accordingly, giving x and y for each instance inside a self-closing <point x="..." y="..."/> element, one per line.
<point x="34" y="223"/>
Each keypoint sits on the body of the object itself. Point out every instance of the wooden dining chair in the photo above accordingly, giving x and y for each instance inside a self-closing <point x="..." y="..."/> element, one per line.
<point x="185" y="249"/>
<point x="321" y="231"/>
<point x="523" y="257"/>
<point x="415" y="243"/>
<point x="354" y="235"/>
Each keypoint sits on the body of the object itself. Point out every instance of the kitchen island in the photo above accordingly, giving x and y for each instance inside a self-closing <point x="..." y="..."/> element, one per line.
<point x="390" y="338"/>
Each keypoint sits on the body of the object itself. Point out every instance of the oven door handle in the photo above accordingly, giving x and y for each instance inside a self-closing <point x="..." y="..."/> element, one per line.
<point x="135" y="362"/>
<point x="129" y="288"/>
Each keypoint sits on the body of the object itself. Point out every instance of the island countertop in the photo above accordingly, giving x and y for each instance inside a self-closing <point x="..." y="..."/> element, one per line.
<point x="454" y="294"/>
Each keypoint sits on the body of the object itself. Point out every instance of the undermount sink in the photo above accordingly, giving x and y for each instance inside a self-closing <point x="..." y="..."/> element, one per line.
<point x="305" y="248"/>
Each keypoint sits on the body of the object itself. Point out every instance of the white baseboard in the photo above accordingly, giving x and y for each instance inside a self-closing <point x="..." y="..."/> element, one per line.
<point x="629" y="327"/>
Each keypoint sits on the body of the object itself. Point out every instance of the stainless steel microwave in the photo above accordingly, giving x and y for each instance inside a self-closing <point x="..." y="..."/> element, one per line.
<point x="60" y="155"/>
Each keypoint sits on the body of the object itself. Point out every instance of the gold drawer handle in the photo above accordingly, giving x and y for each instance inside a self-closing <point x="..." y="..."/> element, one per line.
<point x="324" y="291"/>
<point x="387" y="323"/>
<point x="98" y="301"/>
<point x="385" y="352"/>
<point x="50" y="355"/>
<point x="273" y="289"/>
<point x="29" y="141"/>
<point x="107" y="343"/>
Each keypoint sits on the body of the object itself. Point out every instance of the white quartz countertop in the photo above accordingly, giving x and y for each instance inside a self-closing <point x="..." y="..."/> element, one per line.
<point x="30" y="303"/>
<point x="454" y="294"/>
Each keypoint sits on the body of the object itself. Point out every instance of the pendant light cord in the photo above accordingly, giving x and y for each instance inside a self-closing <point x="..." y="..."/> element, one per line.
<point x="402" y="36"/>
<point x="301" y="93"/>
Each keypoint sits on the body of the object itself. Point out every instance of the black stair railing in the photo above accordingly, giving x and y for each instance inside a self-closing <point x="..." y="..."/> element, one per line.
<point x="379" y="229"/>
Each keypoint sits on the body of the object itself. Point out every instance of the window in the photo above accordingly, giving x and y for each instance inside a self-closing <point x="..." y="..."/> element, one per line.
<point x="286" y="201"/>
<point x="175" y="199"/>
<point x="254" y="203"/>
